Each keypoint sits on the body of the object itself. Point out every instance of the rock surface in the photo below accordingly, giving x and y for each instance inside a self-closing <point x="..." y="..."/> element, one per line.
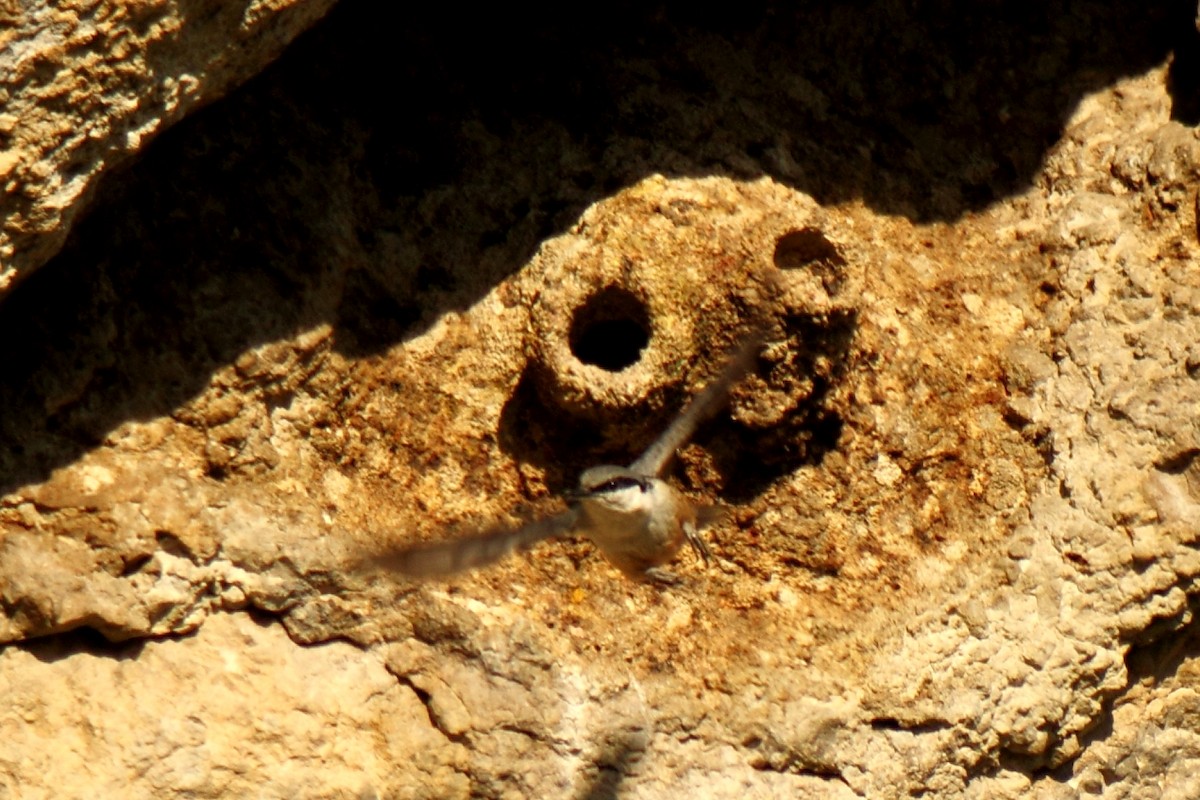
<point x="963" y="478"/>
<point x="84" y="84"/>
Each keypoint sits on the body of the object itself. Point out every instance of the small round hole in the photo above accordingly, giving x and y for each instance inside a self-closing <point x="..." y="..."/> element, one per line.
<point x="808" y="247"/>
<point x="610" y="330"/>
<point x="800" y="248"/>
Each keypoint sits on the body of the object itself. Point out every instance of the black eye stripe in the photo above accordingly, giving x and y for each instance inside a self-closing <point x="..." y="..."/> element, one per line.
<point x="613" y="484"/>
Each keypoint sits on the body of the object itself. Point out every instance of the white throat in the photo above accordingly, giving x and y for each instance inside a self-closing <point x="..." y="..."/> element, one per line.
<point x="628" y="499"/>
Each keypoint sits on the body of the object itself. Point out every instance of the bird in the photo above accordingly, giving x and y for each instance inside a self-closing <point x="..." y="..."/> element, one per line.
<point x="633" y="516"/>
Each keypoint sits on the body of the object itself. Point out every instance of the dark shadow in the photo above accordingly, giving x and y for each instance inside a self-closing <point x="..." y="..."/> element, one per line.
<point x="534" y="432"/>
<point x="398" y="162"/>
<point x="1162" y="648"/>
<point x="621" y="753"/>
<point x="818" y="347"/>
<point x="1183" y="78"/>
<point x="84" y="639"/>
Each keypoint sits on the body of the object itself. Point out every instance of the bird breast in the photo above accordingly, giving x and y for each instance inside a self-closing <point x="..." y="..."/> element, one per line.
<point x="645" y="527"/>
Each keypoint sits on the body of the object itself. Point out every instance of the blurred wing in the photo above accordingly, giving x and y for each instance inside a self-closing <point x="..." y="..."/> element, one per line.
<point x="701" y="407"/>
<point x="441" y="559"/>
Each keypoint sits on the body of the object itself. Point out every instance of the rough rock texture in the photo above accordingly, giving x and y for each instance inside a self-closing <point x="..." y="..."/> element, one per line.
<point x="963" y="478"/>
<point x="86" y="83"/>
<point x="325" y="717"/>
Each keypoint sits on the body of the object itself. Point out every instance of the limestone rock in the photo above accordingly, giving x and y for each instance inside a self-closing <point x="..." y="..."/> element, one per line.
<point x="220" y="713"/>
<point x="960" y="555"/>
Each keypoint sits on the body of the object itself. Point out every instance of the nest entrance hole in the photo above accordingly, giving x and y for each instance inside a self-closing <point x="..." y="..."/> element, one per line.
<point x="610" y="329"/>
